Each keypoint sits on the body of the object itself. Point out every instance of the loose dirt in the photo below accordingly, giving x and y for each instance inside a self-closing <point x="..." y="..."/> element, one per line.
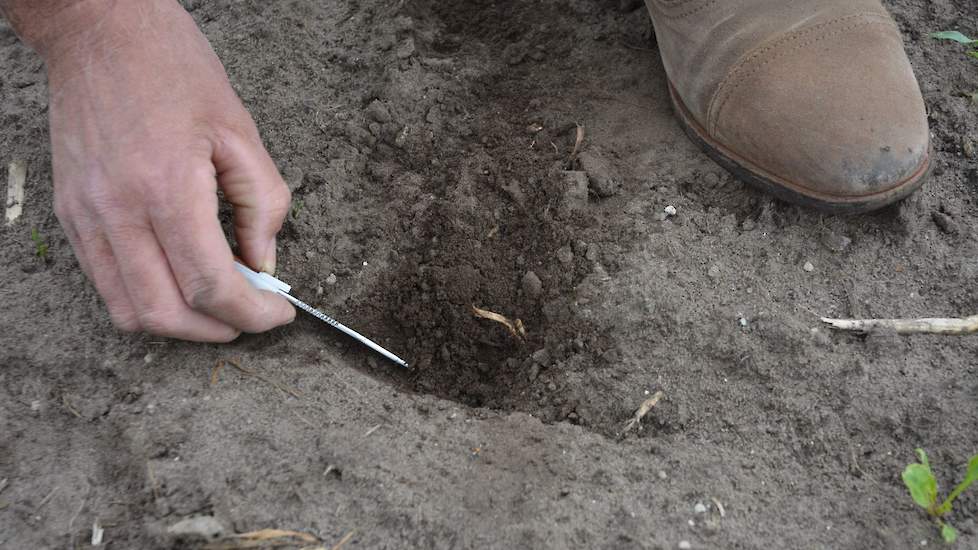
<point x="431" y="151"/>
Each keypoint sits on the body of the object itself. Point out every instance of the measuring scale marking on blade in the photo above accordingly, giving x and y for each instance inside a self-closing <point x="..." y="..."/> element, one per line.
<point x="264" y="281"/>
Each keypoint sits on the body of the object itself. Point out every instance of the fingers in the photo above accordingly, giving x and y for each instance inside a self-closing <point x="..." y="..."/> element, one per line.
<point x="100" y="265"/>
<point x="157" y="301"/>
<point x="95" y="258"/>
<point x="260" y="197"/>
<point x="203" y="266"/>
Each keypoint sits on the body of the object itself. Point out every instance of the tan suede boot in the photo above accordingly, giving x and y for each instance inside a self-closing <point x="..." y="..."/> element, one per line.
<point x="812" y="100"/>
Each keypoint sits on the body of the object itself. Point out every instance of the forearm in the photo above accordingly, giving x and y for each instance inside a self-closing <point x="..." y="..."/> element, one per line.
<point x="47" y="24"/>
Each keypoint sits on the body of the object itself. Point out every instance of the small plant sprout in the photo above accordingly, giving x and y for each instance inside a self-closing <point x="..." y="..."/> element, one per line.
<point x="296" y="209"/>
<point x="956" y="36"/>
<point x="40" y="247"/>
<point x="923" y="490"/>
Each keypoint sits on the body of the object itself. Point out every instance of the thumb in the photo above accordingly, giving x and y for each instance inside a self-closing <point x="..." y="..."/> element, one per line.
<point x="259" y="195"/>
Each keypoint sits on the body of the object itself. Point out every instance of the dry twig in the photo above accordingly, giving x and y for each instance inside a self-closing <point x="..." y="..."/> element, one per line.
<point x="67" y="405"/>
<point x="263" y="538"/>
<point x="723" y="513"/>
<point x="578" y="140"/>
<point x="965" y="325"/>
<point x="372" y="430"/>
<point x="217" y="372"/>
<point x="46" y="499"/>
<point x="346" y="538"/>
<point x="643" y="410"/>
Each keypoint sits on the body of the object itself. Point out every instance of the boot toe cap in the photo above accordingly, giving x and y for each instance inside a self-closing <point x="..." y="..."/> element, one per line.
<point x="836" y="117"/>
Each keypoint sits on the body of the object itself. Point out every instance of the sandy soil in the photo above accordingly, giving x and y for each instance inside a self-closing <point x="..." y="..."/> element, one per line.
<point x="426" y="144"/>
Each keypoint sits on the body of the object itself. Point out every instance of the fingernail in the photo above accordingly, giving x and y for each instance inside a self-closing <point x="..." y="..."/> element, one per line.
<point x="268" y="264"/>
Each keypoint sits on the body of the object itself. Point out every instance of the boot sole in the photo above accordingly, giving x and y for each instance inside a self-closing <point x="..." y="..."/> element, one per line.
<point x="785" y="190"/>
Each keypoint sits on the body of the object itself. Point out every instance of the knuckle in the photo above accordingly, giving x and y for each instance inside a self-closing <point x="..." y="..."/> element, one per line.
<point x="157" y="321"/>
<point x="125" y="321"/>
<point x="279" y="198"/>
<point x="204" y="291"/>
<point x="236" y="131"/>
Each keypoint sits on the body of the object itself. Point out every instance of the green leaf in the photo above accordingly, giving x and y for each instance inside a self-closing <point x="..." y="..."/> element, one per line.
<point x="969" y="477"/>
<point x="923" y="457"/>
<point x="922" y="485"/>
<point x="953" y="35"/>
<point x="949" y="533"/>
<point x="973" y="53"/>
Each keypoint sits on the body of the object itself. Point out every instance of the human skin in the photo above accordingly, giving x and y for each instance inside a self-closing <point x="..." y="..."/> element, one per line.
<point x="145" y="128"/>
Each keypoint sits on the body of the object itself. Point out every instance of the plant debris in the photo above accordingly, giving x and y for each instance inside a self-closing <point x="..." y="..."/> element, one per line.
<point x="643" y="410"/>
<point x="965" y="325"/>
<point x="16" y="177"/>
<point x="268" y="538"/>
<point x="515" y="328"/>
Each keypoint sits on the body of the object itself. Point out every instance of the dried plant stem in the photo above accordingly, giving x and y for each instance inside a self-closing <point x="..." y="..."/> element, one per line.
<point x="965" y="325"/>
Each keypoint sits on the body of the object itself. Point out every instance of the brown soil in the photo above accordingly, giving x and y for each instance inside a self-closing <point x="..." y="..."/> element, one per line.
<point x="426" y="144"/>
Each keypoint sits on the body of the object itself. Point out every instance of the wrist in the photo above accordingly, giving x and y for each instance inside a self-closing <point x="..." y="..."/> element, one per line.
<point x="49" y="25"/>
<point x="60" y="29"/>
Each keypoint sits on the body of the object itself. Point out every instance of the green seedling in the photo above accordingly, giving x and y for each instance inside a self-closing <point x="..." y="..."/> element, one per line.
<point x="956" y="36"/>
<point x="923" y="490"/>
<point x="40" y="247"/>
<point x="296" y="208"/>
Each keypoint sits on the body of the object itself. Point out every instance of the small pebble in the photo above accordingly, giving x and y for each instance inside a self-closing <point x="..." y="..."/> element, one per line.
<point x="684" y="545"/>
<point x="662" y="474"/>
<point x="534" y="372"/>
<point x="809" y="267"/>
<point x="592" y="252"/>
<point x="945" y="223"/>
<point x="36" y="405"/>
<point x="700" y="508"/>
<point x="742" y="321"/>
<point x="603" y="180"/>
<point x="835" y="242"/>
<point x="565" y="256"/>
<point x="310" y="254"/>
<point x="406" y="49"/>
<point x="532" y="285"/>
<point x="714" y="271"/>
<point x="670" y="210"/>
<point x="552" y="387"/>
<point x="202" y="527"/>
<point x="148" y="358"/>
<point x="331" y="280"/>
<point x="541" y="357"/>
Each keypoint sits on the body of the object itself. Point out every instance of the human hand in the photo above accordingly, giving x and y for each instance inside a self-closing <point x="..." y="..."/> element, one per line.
<point x="145" y="128"/>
